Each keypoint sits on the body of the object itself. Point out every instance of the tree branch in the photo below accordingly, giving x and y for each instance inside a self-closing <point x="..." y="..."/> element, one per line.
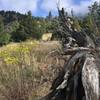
<point x="77" y="49"/>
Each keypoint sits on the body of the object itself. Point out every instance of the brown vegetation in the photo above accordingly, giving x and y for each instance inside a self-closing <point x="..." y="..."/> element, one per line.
<point x="29" y="77"/>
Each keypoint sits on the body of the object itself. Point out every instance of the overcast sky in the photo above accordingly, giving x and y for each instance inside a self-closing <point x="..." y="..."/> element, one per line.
<point x="42" y="7"/>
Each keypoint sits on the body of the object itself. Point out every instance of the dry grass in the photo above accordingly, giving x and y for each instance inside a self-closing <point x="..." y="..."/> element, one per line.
<point x="26" y="70"/>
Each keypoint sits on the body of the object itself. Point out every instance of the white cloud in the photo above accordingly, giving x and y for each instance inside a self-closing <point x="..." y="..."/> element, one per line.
<point x="51" y="5"/>
<point x="19" y="5"/>
<point x="36" y="6"/>
<point x="82" y="8"/>
<point x="48" y="5"/>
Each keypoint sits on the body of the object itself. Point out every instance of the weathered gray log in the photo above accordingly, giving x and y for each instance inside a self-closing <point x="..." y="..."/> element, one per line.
<point x="78" y="80"/>
<point x="90" y="77"/>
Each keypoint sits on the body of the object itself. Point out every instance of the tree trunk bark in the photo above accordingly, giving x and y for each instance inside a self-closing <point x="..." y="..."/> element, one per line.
<point x="90" y="77"/>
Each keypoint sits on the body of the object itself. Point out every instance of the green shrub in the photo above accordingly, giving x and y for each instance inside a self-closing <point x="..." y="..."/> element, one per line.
<point x="4" y="38"/>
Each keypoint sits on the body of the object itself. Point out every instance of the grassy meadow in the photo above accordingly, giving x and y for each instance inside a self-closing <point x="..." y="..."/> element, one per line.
<point x="27" y="69"/>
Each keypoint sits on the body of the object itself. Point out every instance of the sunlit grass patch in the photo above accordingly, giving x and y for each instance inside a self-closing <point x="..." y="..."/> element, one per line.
<point x="12" y="53"/>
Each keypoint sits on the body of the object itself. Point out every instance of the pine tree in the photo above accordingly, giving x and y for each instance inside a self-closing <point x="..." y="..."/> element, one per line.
<point x="1" y="24"/>
<point x="49" y="17"/>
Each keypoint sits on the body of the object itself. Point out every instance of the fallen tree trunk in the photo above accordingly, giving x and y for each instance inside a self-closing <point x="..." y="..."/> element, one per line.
<point x="79" y="79"/>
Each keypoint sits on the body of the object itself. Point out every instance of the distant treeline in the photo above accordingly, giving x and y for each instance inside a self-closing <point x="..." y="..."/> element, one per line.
<point x="16" y="27"/>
